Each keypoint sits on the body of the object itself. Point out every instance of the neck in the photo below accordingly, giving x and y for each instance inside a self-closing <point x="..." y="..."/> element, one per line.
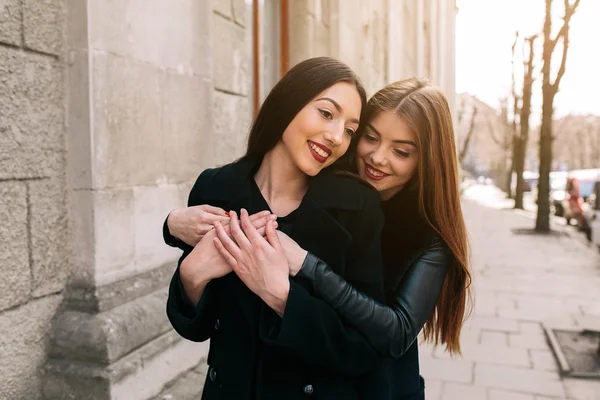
<point x="279" y="179"/>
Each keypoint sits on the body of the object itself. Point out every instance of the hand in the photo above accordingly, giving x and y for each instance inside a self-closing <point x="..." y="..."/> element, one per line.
<point x="202" y="265"/>
<point x="293" y="252"/>
<point x="259" y="262"/>
<point x="190" y="224"/>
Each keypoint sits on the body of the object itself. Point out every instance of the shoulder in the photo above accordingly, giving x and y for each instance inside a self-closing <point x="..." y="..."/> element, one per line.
<point x="214" y="184"/>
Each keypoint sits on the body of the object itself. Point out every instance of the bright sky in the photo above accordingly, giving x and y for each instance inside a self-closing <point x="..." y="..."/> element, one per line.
<point x="485" y="32"/>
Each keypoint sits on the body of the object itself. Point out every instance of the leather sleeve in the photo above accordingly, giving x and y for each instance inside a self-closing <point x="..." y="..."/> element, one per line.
<point x="390" y="328"/>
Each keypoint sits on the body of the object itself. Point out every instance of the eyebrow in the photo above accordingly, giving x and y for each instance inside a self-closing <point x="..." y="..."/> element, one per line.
<point x="394" y="141"/>
<point x="337" y="107"/>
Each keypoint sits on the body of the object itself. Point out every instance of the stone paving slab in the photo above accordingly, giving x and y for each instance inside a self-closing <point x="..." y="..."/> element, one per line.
<point x="521" y="281"/>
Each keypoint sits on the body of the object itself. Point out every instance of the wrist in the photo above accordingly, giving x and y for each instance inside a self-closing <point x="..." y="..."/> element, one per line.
<point x="173" y="214"/>
<point x="297" y="264"/>
<point x="277" y="299"/>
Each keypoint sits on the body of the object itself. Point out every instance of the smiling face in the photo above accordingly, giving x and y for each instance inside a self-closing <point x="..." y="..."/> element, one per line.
<point x="321" y="132"/>
<point x="387" y="153"/>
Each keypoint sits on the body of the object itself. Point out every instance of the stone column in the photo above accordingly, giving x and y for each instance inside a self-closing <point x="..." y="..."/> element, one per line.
<point x="140" y="101"/>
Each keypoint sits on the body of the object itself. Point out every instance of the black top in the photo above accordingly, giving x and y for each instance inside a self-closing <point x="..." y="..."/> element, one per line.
<point x="254" y="353"/>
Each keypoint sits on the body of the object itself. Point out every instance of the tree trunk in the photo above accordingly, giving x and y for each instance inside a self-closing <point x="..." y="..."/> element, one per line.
<point x="542" y="223"/>
<point x="523" y="137"/>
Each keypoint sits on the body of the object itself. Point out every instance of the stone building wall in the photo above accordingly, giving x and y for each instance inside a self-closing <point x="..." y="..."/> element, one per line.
<point x="34" y="261"/>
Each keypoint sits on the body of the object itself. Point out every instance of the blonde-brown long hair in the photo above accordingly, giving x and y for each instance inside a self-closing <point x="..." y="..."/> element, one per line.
<point x="425" y="109"/>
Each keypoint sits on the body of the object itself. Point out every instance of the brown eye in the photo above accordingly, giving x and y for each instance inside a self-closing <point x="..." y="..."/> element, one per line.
<point x="326" y="114"/>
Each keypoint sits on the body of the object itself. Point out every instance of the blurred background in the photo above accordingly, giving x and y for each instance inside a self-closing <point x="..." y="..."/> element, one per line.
<point x="110" y="109"/>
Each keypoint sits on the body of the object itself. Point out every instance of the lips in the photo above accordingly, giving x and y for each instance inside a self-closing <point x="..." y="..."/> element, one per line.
<point x="319" y="152"/>
<point x="373" y="173"/>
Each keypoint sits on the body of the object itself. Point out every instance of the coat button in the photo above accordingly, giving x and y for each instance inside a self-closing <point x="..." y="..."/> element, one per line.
<point x="309" y="390"/>
<point x="217" y="324"/>
<point x="212" y="374"/>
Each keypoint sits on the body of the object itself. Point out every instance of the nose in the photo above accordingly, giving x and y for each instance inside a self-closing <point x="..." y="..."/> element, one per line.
<point x="334" y="136"/>
<point x="377" y="156"/>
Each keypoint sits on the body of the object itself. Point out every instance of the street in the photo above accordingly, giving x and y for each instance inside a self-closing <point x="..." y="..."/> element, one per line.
<point x="521" y="280"/>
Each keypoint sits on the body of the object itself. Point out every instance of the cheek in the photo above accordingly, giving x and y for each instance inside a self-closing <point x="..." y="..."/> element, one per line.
<point x="405" y="168"/>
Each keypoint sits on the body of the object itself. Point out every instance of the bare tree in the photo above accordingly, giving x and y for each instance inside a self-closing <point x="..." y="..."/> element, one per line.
<point x="549" y="90"/>
<point x="521" y="140"/>
<point x="515" y="115"/>
<point x="504" y="140"/>
<point x="464" y="148"/>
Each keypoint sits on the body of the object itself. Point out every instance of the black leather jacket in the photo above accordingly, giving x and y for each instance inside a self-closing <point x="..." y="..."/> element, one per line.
<point x="390" y="328"/>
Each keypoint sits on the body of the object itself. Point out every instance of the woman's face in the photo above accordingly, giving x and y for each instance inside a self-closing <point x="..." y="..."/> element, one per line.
<point x="387" y="153"/>
<point x="321" y="132"/>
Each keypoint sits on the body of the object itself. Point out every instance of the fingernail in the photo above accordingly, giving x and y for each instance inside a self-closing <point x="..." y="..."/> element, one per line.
<point x="232" y="213"/>
<point x="273" y="217"/>
<point x="217" y="224"/>
<point x="227" y="213"/>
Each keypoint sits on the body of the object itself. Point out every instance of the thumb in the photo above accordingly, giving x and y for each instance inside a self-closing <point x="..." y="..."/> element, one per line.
<point x="271" y="235"/>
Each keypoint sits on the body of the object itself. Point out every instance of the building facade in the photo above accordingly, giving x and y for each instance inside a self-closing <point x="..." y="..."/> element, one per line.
<point x="108" y="112"/>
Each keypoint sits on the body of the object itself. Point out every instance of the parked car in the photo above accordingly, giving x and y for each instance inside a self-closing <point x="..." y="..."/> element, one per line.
<point x="591" y="214"/>
<point x="558" y="183"/>
<point x="579" y="187"/>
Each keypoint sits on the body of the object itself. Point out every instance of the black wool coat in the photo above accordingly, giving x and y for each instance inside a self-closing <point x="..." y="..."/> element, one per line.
<point x="310" y="352"/>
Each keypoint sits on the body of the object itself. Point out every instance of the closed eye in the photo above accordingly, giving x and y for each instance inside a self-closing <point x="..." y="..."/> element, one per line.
<point x="370" y="137"/>
<point x="402" y="153"/>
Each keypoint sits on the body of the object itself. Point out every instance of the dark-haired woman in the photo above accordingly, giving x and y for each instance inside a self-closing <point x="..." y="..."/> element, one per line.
<point x="270" y="337"/>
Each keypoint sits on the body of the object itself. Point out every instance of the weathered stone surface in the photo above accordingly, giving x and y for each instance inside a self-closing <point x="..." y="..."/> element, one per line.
<point x="114" y="235"/>
<point x="10" y="22"/>
<point x="231" y="126"/>
<point x="140" y="374"/>
<point x="93" y="299"/>
<point x="79" y="126"/>
<point x="32" y="118"/>
<point x="49" y="236"/>
<point x="127" y="122"/>
<point x="240" y="11"/>
<point x="152" y="205"/>
<point x="186" y="126"/>
<point x="222" y="7"/>
<point x="15" y="275"/>
<point x="159" y="361"/>
<point x="179" y="39"/>
<point x="188" y="386"/>
<point x="231" y="66"/>
<point x="44" y="25"/>
<point x="23" y="345"/>
<point x="106" y="337"/>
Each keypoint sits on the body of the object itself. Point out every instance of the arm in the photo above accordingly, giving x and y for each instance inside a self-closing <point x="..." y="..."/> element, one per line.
<point x="192" y="321"/>
<point x="313" y="331"/>
<point x="391" y="328"/>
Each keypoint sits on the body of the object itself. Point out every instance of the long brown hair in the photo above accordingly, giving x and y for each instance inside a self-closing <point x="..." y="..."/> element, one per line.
<point x="425" y="109"/>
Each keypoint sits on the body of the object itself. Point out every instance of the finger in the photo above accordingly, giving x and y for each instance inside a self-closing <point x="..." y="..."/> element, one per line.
<point x="212" y="218"/>
<point x="237" y="233"/>
<point x="227" y="242"/>
<point x="213" y="210"/>
<point x="260" y="215"/>
<point x="262" y="222"/>
<point x="249" y="229"/>
<point x="226" y="254"/>
<point x="271" y="235"/>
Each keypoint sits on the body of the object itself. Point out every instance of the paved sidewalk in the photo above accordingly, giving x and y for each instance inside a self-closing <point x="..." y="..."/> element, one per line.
<point x="520" y="280"/>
